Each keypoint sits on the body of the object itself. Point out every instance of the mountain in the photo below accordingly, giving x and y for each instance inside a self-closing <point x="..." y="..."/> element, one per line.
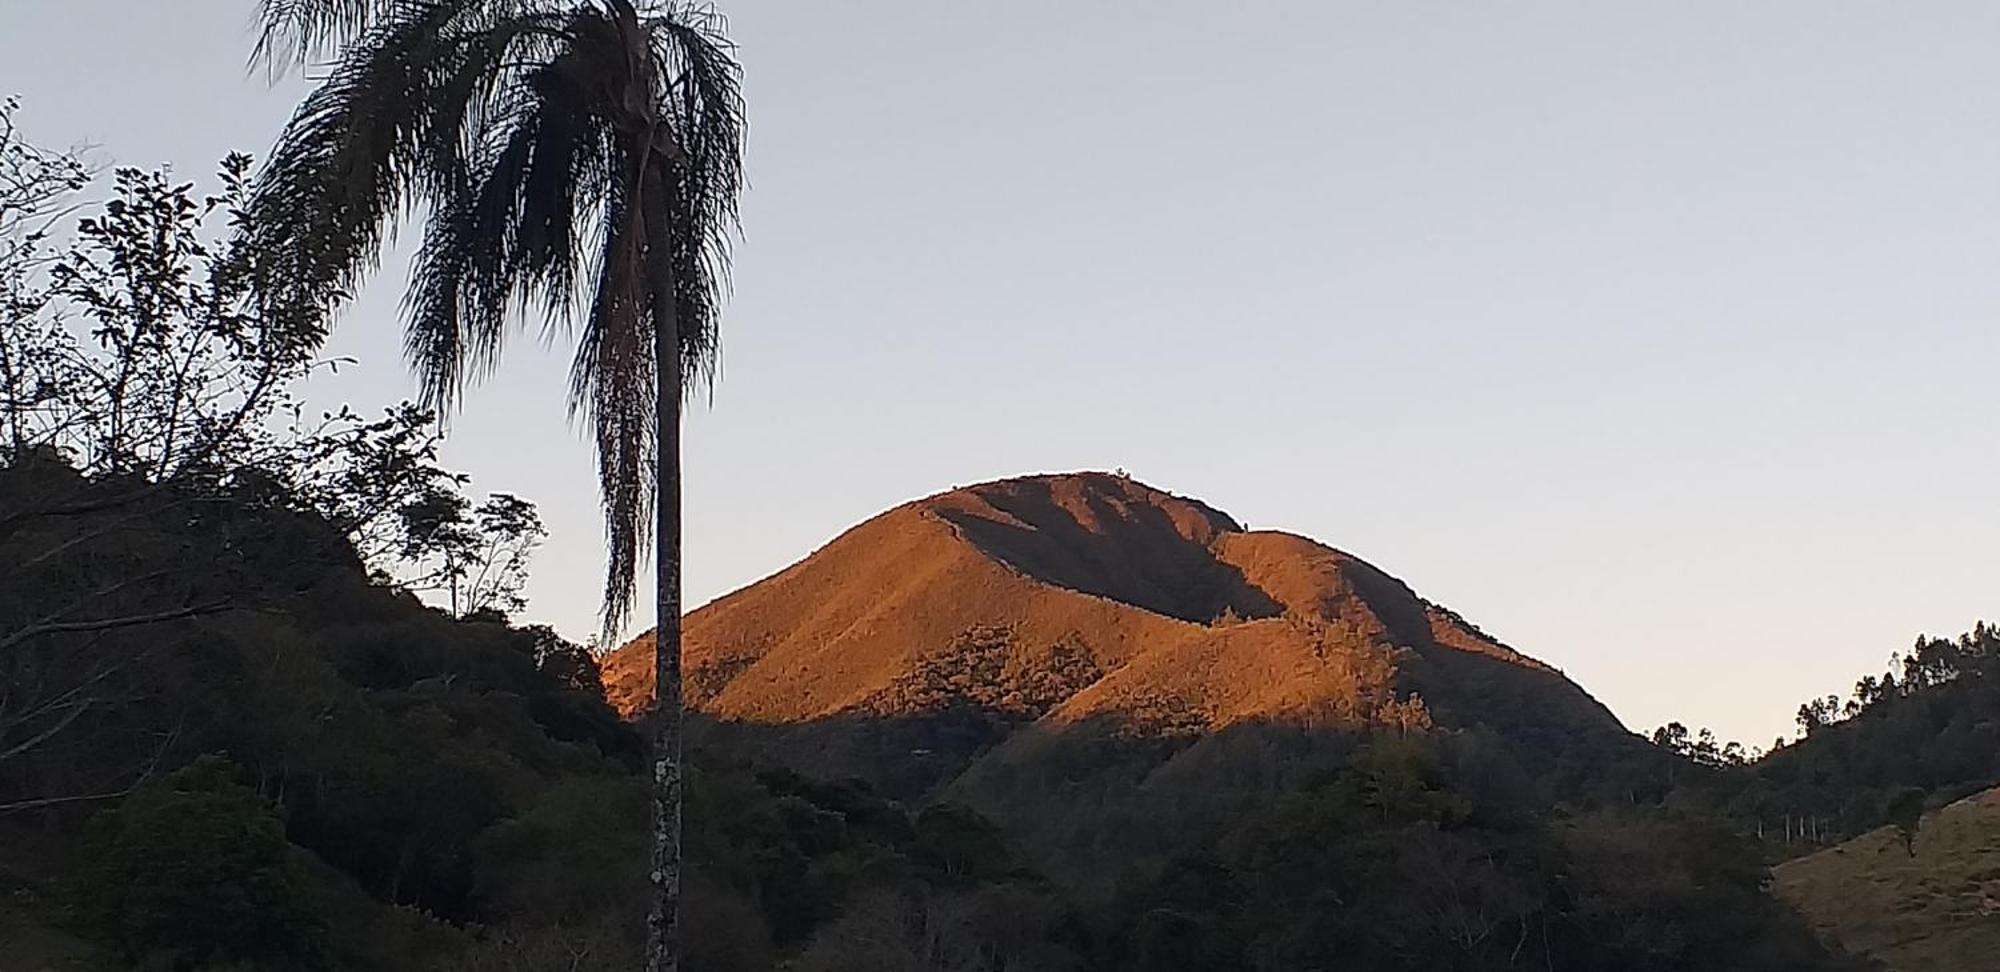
<point x="1933" y="907"/>
<point x="987" y="631"/>
<point x="1168" y="773"/>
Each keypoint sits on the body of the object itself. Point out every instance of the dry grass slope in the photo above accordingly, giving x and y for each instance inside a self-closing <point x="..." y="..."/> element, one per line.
<point x="1052" y="605"/>
<point x="1936" y="912"/>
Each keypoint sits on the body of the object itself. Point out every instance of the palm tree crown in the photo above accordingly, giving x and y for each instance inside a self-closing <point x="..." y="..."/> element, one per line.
<point x="578" y="160"/>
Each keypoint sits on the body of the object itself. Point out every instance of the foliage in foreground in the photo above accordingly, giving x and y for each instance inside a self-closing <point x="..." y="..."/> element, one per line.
<point x="196" y="870"/>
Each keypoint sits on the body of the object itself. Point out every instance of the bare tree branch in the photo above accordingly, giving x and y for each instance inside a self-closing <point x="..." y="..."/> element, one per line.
<point x="101" y="624"/>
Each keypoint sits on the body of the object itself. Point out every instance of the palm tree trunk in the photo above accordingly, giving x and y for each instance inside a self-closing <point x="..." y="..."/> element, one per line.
<point x="663" y="944"/>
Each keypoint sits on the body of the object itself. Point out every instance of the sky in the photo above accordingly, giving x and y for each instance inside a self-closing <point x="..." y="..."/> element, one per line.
<point x="1657" y="339"/>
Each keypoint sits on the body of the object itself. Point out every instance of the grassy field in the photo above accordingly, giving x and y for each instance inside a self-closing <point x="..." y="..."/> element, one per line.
<point x="1936" y="912"/>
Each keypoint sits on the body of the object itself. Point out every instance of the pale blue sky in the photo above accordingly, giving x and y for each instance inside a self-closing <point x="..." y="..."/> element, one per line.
<point x="1657" y="339"/>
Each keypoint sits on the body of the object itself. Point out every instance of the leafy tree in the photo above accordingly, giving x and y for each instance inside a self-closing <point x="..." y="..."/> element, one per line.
<point x="1701" y="748"/>
<point x="36" y="190"/>
<point x="145" y="376"/>
<point x="957" y="840"/>
<point x="530" y="128"/>
<point x="1672" y="737"/>
<point x="137" y="371"/>
<point x="161" y="600"/>
<point x="1817" y="714"/>
<point x="149" y="349"/>
<point x="142" y="349"/>
<point x="196" y="870"/>
<point x="408" y="517"/>
<point x="477" y="556"/>
<point x="1906" y="812"/>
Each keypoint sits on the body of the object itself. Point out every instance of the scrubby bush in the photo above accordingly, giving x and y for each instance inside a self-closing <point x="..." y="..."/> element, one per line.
<point x="195" y="873"/>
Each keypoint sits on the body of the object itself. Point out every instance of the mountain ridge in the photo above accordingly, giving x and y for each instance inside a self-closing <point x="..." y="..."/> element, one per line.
<point x="1039" y="605"/>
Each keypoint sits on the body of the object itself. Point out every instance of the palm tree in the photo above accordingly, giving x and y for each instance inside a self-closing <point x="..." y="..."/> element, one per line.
<point x="574" y="160"/>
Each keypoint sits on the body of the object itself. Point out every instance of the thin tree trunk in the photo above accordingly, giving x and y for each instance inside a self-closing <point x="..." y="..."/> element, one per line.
<point x="663" y="949"/>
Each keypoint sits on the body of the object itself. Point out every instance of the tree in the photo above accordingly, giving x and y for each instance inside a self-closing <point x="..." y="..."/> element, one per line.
<point x="1817" y="714"/>
<point x="1701" y="748"/>
<point x="1906" y="811"/>
<point x="197" y="867"/>
<point x="36" y="190"/>
<point x="476" y="556"/>
<point x="149" y="416"/>
<point x="577" y="158"/>
<point x="1672" y="737"/>
<point x="379" y="483"/>
<point x="138" y="374"/>
<point x="184" y="370"/>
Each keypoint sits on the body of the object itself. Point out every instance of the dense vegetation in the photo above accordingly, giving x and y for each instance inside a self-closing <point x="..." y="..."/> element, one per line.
<point x="1923" y="734"/>
<point x="1395" y="862"/>
<point x="406" y="789"/>
<point x="369" y="782"/>
<point x="333" y="775"/>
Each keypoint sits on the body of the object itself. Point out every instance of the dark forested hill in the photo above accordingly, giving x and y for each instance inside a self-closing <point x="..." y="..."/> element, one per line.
<point x="222" y="744"/>
<point x="1922" y="735"/>
<point x="229" y="746"/>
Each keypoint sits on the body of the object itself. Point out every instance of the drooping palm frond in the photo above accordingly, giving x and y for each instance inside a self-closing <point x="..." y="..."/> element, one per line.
<point x="529" y="133"/>
<point x="503" y="234"/>
<point x="704" y="108"/>
<point x="512" y="233"/>
<point x="387" y="129"/>
<point x="293" y="31"/>
<point x="614" y="384"/>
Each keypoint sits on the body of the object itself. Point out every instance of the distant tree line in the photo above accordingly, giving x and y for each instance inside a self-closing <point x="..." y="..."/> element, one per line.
<point x="1922" y="734"/>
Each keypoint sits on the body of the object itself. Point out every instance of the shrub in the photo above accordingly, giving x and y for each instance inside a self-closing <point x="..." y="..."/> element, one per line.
<point x="195" y="872"/>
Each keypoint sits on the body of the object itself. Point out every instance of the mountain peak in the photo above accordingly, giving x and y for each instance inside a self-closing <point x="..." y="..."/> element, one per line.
<point x="1047" y="601"/>
<point x="1085" y="496"/>
<point x="1108" y="535"/>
